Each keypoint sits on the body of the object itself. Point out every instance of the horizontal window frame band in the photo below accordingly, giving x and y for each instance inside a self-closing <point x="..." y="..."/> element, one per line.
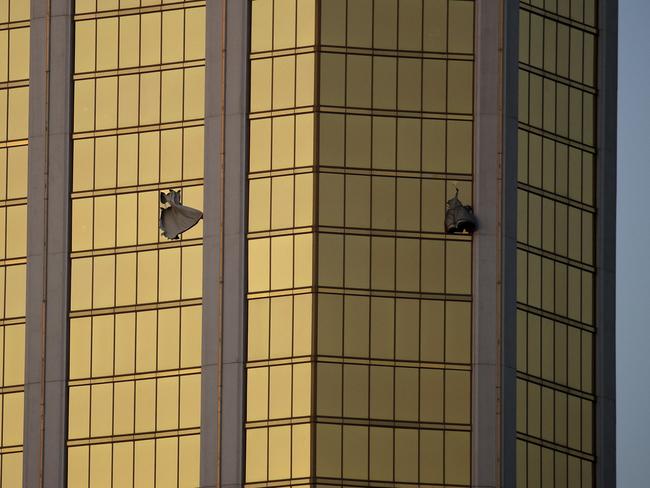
<point x="146" y="307"/>
<point x="557" y="198"/>
<point x="402" y="114"/>
<point x="288" y="231"/>
<point x="318" y="109"/>
<point x="124" y="378"/>
<point x="13" y="261"/>
<point x="562" y="320"/>
<point x="6" y="390"/>
<point x="362" y="51"/>
<point x="283" y="361"/>
<point x="298" y="110"/>
<point x="21" y="83"/>
<point x="154" y="246"/>
<point x="357" y="232"/>
<point x="557" y="138"/>
<point x="391" y="363"/>
<point x="292" y="51"/>
<point x="558" y="79"/>
<point x="556" y="447"/>
<point x="152" y="68"/>
<point x="555" y="257"/>
<point x="358" y="422"/>
<point x="10" y="143"/>
<point x="13" y="202"/>
<point x="355" y="361"/>
<point x="560" y="19"/>
<point x="12" y="321"/>
<point x="365" y="232"/>
<point x="357" y="171"/>
<point x="18" y="448"/>
<point x="557" y="318"/>
<point x="163" y="7"/>
<point x="359" y="292"/>
<point x="395" y="234"/>
<point x="138" y="129"/>
<point x="135" y="189"/>
<point x="414" y="174"/>
<point x="396" y="53"/>
<point x="15" y="24"/>
<point x="396" y="424"/>
<point x="91" y="441"/>
<point x="556" y="386"/>
<point x="300" y="170"/>
<point x="301" y="420"/>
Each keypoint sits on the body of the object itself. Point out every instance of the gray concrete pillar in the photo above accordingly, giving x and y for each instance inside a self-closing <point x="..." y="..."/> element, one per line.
<point x="50" y="115"/>
<point x="224" y="272"/>
<point x="487" y="279"/>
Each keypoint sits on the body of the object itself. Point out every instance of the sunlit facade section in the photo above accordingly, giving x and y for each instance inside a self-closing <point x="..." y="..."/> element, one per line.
<point x="359" y="326"/>
<point x="556" y="244"/>
<point x="281" y="235"/>
<point x="135" y="298"/>
<point x="14" y="115"/>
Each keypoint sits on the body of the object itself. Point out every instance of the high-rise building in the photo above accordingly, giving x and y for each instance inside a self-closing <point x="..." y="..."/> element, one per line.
<point x="319" y="327"/>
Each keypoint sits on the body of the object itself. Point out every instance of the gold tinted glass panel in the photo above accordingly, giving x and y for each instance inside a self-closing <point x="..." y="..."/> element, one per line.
<point x="556" y="240"/>
<point x="359" y="305"/>
<point x="14" y="111"/>
<point x="135" y="318"/>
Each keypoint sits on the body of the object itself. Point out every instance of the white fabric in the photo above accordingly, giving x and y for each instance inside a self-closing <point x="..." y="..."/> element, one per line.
<point x="177" y="218"/>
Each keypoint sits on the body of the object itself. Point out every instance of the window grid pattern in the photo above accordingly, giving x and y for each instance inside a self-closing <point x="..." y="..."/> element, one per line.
<point x="359" y="339"/>
<point x="281" y="225"/>
<point x="135" y="300"/>
<point x="556" y="243"/>
<point x="14" y="115"/>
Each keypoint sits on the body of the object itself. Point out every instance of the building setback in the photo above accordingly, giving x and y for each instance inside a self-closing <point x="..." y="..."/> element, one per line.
<point x="318" y="327"/>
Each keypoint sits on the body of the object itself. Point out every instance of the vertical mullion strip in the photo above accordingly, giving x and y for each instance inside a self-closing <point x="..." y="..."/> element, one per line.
<point x="444" y="257"/>
<point x="395" y="239"/>
<point x="420" y="231"/>
<point x="370" y="238"/>
<point x="180" y="312"/>
<point x="293" y="241"/>
<point x="92" y="272"/>
<point x="115" y="268"/>
<point x="270" y="239"/>
<point x="344" y="235"/>
<point x="315" y="286"/>
<point x="137" y="238"/>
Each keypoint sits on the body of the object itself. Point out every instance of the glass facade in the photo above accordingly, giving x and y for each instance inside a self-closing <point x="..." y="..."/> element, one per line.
<point x="358" y="324"/>
<point x="135" y="298"/>
<point x="556" y="243"/>
<point x="359" y="306"/>
<point x="14" y="115"/>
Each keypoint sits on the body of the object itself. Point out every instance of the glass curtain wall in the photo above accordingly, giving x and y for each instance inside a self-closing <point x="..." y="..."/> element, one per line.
<point x="359" y="328"/>
<point x="281" y="226"/>
<point x="135" y="299"/>
<point x="556" y="245"/>
<point x="14" y="115"/>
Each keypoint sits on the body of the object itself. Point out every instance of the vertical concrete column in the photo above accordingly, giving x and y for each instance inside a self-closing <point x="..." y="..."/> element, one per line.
<point x="50" y="115"/>
<point x="224" y="287"/>
<point x="488" y="246"/>
<point x="606" y="245"/>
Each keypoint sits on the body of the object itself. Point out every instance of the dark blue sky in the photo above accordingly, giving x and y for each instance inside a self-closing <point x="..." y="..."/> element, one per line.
<point x="633" y="246"/>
